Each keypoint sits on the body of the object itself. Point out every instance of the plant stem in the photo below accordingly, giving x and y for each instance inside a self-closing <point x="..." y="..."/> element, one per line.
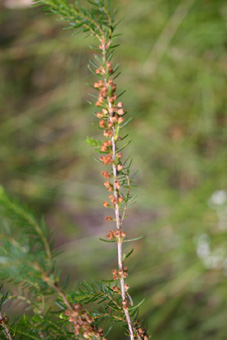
<point x="4" y="325"/>
<point x="54" y="286"/>
<point x="117" y="210"/>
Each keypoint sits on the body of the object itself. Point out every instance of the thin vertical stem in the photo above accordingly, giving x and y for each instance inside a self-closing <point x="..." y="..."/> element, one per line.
<point x="117" y="210"/>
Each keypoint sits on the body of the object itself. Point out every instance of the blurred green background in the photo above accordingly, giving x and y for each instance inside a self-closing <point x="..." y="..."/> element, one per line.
<point x="173" y="57"/>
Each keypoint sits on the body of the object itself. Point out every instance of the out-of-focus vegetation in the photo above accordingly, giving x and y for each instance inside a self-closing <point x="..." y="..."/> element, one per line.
<point x="174" y="62"/>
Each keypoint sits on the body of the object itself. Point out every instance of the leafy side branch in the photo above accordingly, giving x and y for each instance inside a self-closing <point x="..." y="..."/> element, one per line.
<point x="96" y="19"/>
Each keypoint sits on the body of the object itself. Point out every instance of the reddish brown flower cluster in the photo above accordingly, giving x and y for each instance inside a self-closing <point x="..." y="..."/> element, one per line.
<point x="117" y="290"/>
<point x="106" y="88"/>
<point x="105" y="174"/>
<point x="103" y="45"/>
<point x="3" y="320"/>
<point x="116" y="234"/>
<point x="110" y="119"/>
<point x="83" y="323"/>
<point x="141" y="332"/>
<point x="121" y="273"/>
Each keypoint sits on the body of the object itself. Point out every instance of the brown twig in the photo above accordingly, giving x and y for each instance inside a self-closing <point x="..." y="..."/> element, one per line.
<point x="3" y="323"/>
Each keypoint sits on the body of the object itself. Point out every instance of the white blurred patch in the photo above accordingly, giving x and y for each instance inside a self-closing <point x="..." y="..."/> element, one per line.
<point x="219" y="197"/>
<point x="203" y="247"/>
<point x="218" y="202"/>
<point x="18" y="3"/>
<point x="212" y="259"/>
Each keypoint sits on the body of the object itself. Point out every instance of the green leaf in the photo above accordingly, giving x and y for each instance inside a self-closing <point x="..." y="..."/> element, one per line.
<point x="126" y="123"/>
<point x="121" y="94"/>
<point x="124" y="146"/>
<point x="139" y="304"/>
<point x="93" y="142"/>
<point x="126" y="256"/>
<point x="108" y="241"/>
<point x="133" y="239"/>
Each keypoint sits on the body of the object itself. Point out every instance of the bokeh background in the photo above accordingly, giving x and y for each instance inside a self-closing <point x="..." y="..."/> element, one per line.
<point x="173" y="57"/>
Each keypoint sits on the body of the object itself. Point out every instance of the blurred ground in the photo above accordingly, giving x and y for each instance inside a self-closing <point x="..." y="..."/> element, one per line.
<point x="173" y="58"/>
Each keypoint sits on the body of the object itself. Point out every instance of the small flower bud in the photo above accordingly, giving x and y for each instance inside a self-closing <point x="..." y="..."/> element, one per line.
<point x="120" y="120"/>
<point x="115" y="274"/>
<point x="89" y="319"/>
<point x="109" y="218"/>
<point x="5" y="319"/>
<point x="99" y="115"/>
<point x="115" y="289"/>
<point x="102" y="123"/>
<point x="104" y="91"/>
<point x="120" y="199"/>
<point x="106" y="204"/>
<point x="114" y="201"/>
<point x="96" y="334"/>
<point x="114" y="119"/>
<point x="101" y="98"/>
<point x="105" y="133"/>
<point x="101" y="332"/>
<point x="76" y="330"/>
<point x="117" y="233"/>
<point x="114" y="87"/>
<point x="113" y="98"/>
<point x="110" y="124"/>
<point x="140" y="331"/>
<point x="107" y="184"/>
<point x="120" y="112"/>
<point x="86" y="335"/>
<point x="119" y="155"/>
<point x="103" y="148"/>
<point x="77" y="306"/>
<point x="126" y="286"/>
<point x="117" y="185"/>
<point x="123" y="234"/>
<point x="108" y="64"/>
<point x="104" y="111"/>
<point x="120" y="104"/>
<point x="110" y="235"/>
<point x="124" y="303"/>
<point x="105" y="174"/>
<point x="125" y="275"/>
<point x="119" y="167"/>
<point x="111" y="110"/>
